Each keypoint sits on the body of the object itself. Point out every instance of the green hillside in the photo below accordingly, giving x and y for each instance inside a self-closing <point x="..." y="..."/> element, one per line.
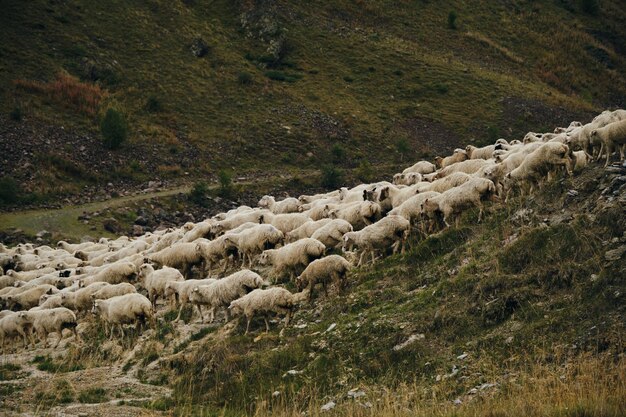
<point x="282" y="84"/>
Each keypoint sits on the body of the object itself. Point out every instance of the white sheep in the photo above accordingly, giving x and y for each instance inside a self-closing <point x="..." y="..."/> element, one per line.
<point x="306" y="199"/>
<point x="611" y="136"/>
<point x="421" y="167"/>
<point x="181" y="290"/>
<point x="237" y="219"/>
<point x="183" y="256"/>
<point x="580" y="160"/>
<point x="486" y="152"/>
<point x="331" y="234"/>
<point x="293" y="256"/>
<point x="253" y="241"/>
<point x="306" y="230"/>
<point x="154" y="281"/>
<point x="457" y="156"/>
<point x="264" y="301"/>
<point x="409" y="178"/>
<point x="223" y="291"/>
<point x="49" y="321"/>
<point x="80" y="300"/>
<point x="329" y="269"/>
<point x="444" y="184"/>
<point x="459" y="198"/>
<point x="121" y="271"/>
<point x="29" y="298"/>
<point x="390" y="231"/>
<point x="469" y="167"/>
<point x="288" y="205"/>
<point x="411" y="209"/>
<point x="358" y="214"/>
<point x="12" y="325"/>
<point x="286" y="222"/>
<point x="212" y="252"/>
<point x="123" y="309"/>
<point x="110" y="291"/>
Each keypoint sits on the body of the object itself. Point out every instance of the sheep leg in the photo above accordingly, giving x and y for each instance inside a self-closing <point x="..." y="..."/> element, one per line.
<point x="287" y="318"/>
<point x="59" y="339"/>
<point x="212" y="312"/>
<point x="180" y="310"/>
<point x="480" y="210"/>
<point x="248" y="318"/>
<point x="360" y="259"/>
<point x="267" y="325"/>
<point x="199" y="307"/>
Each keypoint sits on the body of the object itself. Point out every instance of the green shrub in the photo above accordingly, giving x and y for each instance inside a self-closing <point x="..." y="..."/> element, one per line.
<point x="365" y="172"/>
<point x="281" y="76"/>
<point x="114" y="129"/>
<point x="198" y="193"/>
<point x="332" y="177"/>
<point x="16" y="114"/>
<point x="590" y="7"/>
<point x="9" y="190"/>
<point x="402" y="146"/>
<point x="153" y="105"/>
<point x="244" y="78"/>
<point x="338" y="153"/>
<point x="225" y="179"/>
<point x="452" y="20"/>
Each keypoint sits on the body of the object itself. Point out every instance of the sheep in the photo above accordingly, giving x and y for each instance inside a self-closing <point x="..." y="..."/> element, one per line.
<point x="168" y="239"/>
<point x="456" y="199"/>
<point x="183" y="256"/>
<point x="537" y="163"/>
<point x="232" y="212"/>
<point x="214" y="251"/>
<point x="49" y="321"/>
<point x="223" y="291"/>
<point x="307" y="199"/>
<point x="110" y="291"/>
<point x="610" y="136"/>
<point x="389" y="231"/>
<point x="331" y="234"/>
<point x="123" y="309"/>
<point x="80" y="300"/>
<point x="292" y="256"/>
<point x="421" y="167"/>
<point x="71" y="248"/>
<point x="286" y="222"/>
<point x="154" y="281"/>
<point x="332" y="268"/>
<point x="444" y="184"/>
<point x="13" y="325"/>
<point x="255" y="216"/>
<point x="202" y="229"/>
<point x="580" y="160"/>
<point x="265" y="301"/>
<point x="411" y="209"/>
<point x="410" y="178"/>
<point x="358" y="214"/>
<point x="469" y="167"/>
<point x="29" y="275"/>
<point x="306" y="230"/>
<point x="30" y="298"/>
<point x="288" y="205"/>
<point x="253" y="241"/>
<point x="486" y="152"/>
<point x="458" y="156"/>
<point x="181" y="290"/>
<point x="132" y="249"/>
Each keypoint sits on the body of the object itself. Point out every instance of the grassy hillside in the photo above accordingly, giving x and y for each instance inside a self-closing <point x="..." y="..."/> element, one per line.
<point x="282" y="85"/>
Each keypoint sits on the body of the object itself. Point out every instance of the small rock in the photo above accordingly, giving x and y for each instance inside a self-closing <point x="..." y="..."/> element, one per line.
<point x="111" y="225"/>
<point x="275" y="394"/>
<point x="331" y="327"/>
<point x="137" y="230"/>
<point x="463" y="356"/>
<point x="328" y="406"/>
<point x="572" y="193"/>
<point x="509" y="340"/>
<point x="615" y="254"/>
<point x="141" y="221"/>
<point x="458" y="401"/>
<point x="408" y="342"/>
<point x="356" y="393"/>
<point x="199" y="48"/>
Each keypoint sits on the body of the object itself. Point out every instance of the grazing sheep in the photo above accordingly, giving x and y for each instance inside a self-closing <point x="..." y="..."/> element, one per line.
<point x="331" y="234"/>
<point x="199" y="230"/>
<point x="444" y="184"/>
<point x="611" y="136"/>
<point x="459" y="198"/>
<point x="223" y="291"/>
<point x="390" y="231"/>
<point x="293" y="256"/>
<point x="580" y="161"/>
<point x="253" y="241"/>
<point x="183" y="256"/>
<point x="421" y="167"/>
<point x="80" y="300"/>
<point x="307" y="199"/>
<point x="264" y="301"/>
<point x="110" y="291"/>
<point x="215" y="251"/>
<point x="358" y="214"/>
<point x="54" y="320"/>
<point x="411" y="209"/>
<point x="121" y="271"/>
<point x="154" y="281"/>
<point x="469" y="167"/>
<point x="409" y="178"/>
<point x="181" y="290"/>
<point x="29" y="275"/>
<point x="168" y="239"/>
<point x="13" y="325"/>
<point x="286" y="222"/>
<point x="237" y="219"/>
<point x="458" y="156"/>
<point x="537" y="164"/>
<point x="29" y="298"/>
<point x="329" y="269"/>
<point x="486" y="152"/>
<point x="123" y="309"/>
<point x="306" y="230"/>
<point x="288" y="205"/>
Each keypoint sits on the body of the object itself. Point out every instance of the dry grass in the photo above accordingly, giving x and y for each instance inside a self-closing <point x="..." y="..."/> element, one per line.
<point x="67" y="90"/>
<point x="491" y="43"/>
<point x="586" y="386"/>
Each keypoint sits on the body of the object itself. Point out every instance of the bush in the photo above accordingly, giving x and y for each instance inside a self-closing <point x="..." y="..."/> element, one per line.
<point x="114" y="129"/>
<point x="198" y="193"/>
<point x="452" y="20"/>
<point x="244" y="78"/>
<point x="153" y="105"/>
<point x="332" y="177"/>
<point x="16" y="114"/>
<point x="590" y="7"/>
<point x="364" y="171"/>
<point x="402" y="146"/>
<point x="9" y="190"/>
<point x="338" y="153"/>
<point x="225" y="179"/>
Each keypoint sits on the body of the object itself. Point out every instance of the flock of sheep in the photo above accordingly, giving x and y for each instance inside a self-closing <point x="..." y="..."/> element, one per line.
<point x="314" y="239"/>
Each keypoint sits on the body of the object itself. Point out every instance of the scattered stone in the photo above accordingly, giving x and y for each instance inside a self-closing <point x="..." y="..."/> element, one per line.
<point x="463" y="356"/>
<point x="331" y="327"/>
<point x="615" y="254"/>
<point x="413" y="338"/>
<point x="356" y="393"/>
<point x="328" y="406"/>
<point x="291" y="372"/>
<point x="43" y="233"/>
<point x="138" y="230"/>
<point x="275" y="394"/>
<point x="572" y="193"/>
<point x="111" y="225"/>
<point x="458" y="401"/>
<point x="141" y="221"/>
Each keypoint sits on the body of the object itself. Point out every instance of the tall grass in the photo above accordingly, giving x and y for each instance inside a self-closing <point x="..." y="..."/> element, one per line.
<point x="67" y="90"/>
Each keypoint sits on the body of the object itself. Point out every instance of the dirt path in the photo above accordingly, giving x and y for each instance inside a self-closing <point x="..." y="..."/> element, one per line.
<point x="65" y="220"/>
